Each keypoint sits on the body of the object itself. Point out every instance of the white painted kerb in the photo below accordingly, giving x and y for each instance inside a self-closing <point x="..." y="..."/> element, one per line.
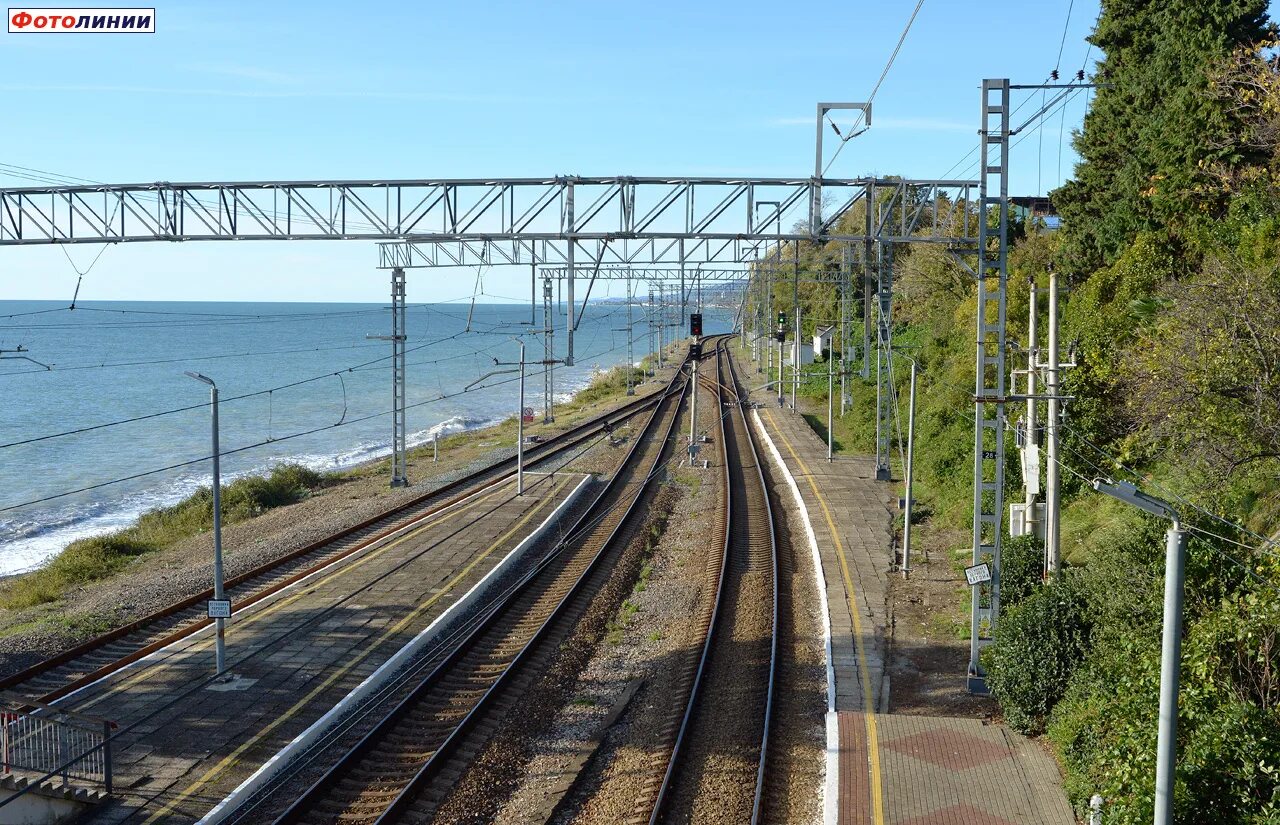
<point x="831" y="789"/>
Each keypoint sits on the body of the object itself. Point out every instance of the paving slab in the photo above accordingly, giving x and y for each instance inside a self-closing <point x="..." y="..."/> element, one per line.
<point x="187" y="741"/>
<point x="890" y="769"/>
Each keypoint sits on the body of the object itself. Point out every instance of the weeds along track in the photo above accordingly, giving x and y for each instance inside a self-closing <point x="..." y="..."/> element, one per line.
<point x="715" y="766"/>
<point x="404" y="765"/>
<point x="103" y="655"/>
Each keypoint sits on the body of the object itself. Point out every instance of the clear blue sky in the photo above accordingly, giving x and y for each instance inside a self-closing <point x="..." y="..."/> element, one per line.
<point x="367" y="90"/>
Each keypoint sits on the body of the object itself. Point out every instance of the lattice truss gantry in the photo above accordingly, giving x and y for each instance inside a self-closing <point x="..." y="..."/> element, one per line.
<point x="514" y="220"/>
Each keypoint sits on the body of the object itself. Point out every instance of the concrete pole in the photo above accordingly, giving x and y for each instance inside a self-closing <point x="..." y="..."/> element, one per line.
<point x="664" y="324"/>
<point x="795" y="362"/>
<point x="911" y="457"/>
<point x="1033" y="435"/>
<point x="435" y="448"/>
<point x="1170" y="661"/>
<point x="571" y="322"/>
<point x="520" y="430"/>
<point x="844" y="325"/>
<point x="795" y="302"/>
<point x="781" y="400"/>
<point x="1052" y="478"/>
<point x="831" y="402"/>
<point x="682" y="292"/>
<point x="693" y="411"/>
<point x="631" y="356"/>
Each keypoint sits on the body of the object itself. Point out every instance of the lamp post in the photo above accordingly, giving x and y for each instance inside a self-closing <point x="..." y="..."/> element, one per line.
<point x="519" y="410"/>
<point x="220" y="653"/>
<point x="1171" y="653"/>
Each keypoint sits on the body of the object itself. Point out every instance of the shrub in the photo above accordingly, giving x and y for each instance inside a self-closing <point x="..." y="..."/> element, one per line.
<point x="608" y="383"/>
<point x="1039" y="643"/>
<point x="1021" y="569"/>
<point x="83" y="561"/>
<point x="98" y="557"/>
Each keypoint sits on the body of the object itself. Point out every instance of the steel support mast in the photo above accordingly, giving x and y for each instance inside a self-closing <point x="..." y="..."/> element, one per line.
<point x="989" y="384"/>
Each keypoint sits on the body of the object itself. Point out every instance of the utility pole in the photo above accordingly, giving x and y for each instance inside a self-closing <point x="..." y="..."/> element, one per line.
<point x="795" y="302"/>
<point x="568" y="222"/>
<point x="693" y="412"/>
<point x="520" y="430"/>
<point x="1052" y="476"/>
<point x="649" y="318"/>
<point x="662" y="322"/>
<point x="548" y="351"/>
<point x="844" y="328"/>
<point x="1032" y="438"/>
<point x="831" y="402"/>
<point x="631" y="356"/>
<point x="782" y="335"/>
<point x="682" y="291"/>
<point x="768" y="321"/>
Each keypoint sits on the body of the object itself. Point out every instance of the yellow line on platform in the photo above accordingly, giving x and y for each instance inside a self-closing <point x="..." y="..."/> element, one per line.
<point x="233" y="758"/>
<point x="868" y="698"/>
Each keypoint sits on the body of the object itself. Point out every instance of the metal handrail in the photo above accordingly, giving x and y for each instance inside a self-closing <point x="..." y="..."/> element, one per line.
<point x="39" y="743"/>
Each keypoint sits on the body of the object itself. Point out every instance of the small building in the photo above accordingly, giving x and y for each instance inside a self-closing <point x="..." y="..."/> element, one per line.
<point x="823" y="338"/>
<point x="806" y="354"/>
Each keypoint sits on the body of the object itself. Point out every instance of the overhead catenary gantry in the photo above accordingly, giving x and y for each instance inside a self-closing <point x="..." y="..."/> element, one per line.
<point x="590" y="225"/>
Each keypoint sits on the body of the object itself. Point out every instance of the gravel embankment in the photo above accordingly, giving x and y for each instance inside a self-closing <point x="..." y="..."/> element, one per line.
<point x="649" y="642"/>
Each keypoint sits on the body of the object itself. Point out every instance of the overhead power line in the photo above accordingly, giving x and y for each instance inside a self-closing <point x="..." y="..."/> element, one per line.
<point x="875" y="89"/>
<point x="343" y="422"/>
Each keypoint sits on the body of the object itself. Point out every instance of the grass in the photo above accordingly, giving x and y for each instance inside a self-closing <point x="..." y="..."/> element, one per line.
<point x="99" y="557"/>
<point x="642" y="582"/>
<point x="607" y="384"/>
<point x="620" y="622"/>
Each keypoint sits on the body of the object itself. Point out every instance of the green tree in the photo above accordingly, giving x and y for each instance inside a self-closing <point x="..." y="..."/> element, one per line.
<point x="1155" y="126"/>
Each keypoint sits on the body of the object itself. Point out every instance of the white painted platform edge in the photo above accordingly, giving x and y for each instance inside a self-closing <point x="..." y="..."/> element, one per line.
<point x="831" y="789"/>
<point x="379" y="677"/>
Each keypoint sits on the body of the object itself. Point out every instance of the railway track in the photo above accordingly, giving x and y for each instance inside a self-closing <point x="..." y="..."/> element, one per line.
<point x="715" y="768"/>
<point x="58" y="676"/>
<point x="403" y="766"/>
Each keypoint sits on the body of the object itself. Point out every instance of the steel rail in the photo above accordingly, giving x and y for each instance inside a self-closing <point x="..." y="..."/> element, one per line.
<point x="454" y="491"/>
<point x="370" y="741"/>
<point x="740" y="511"/>
<point x="740" y="400"/>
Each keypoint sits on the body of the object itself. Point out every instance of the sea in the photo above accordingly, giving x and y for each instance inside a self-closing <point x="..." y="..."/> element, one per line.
<point x="99" y="423"/>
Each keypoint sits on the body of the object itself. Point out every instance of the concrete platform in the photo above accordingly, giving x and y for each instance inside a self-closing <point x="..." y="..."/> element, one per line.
<point x="885" y="769"/>
<point x="186" y="741"/>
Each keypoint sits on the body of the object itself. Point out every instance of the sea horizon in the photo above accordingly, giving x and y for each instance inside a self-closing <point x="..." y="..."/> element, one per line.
<point x="300" y="383"/>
